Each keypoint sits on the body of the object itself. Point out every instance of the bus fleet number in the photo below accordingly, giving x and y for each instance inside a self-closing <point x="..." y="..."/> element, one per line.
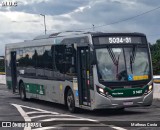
<point x="119" y="40"/>
<point x="137" y="92"/>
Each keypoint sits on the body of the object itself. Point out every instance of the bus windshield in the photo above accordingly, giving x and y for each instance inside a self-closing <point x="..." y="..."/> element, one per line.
<point x="123" y="64"/>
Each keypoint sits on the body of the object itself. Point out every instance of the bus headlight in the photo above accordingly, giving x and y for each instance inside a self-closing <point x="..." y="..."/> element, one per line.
<point x="150" y="87"/>
<point x="102" y="91"/>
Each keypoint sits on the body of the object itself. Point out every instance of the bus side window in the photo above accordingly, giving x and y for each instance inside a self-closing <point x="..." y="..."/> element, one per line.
<point x="47" y="58"/>
<point x="59" y="58"/>
<point x="48" y="62"/>
<point x="70" y="61"/>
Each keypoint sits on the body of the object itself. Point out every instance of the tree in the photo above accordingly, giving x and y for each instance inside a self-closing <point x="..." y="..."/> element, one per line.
<point x="2" y="66"/>
<point x="155" y="53"/>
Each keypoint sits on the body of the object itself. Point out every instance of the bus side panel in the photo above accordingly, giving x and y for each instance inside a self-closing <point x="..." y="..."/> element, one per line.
<point x="47" y="90"/>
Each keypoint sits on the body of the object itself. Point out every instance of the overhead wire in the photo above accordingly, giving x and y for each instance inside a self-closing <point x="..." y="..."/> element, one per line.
<point x="123" y="20"/>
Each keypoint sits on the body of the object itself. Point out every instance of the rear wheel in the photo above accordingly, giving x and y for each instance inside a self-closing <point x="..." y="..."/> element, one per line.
<point x="71" y="101"/>
<point x="22" y="92"/>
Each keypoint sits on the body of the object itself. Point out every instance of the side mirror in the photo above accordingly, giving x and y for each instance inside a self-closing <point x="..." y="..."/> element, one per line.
<point x="92" y="58"/>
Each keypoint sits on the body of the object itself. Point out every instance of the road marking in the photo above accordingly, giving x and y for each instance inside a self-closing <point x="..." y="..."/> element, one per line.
<point x="84" y="128"/>
<point x="33" y="112"/>
<point x="54" y="114"/>
<point x="24" y="115"/>
<point x="37" y="109"/>
<point x="80" y="125"/>
<point x="62" y="119"/>
<point x="118" y="128"/>
<point x="33" y="117"/>
<point x="45" y="128"/>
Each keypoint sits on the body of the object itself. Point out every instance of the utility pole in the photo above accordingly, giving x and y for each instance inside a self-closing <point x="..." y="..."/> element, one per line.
<point x="93" y="26"/>
<point x="44" y="23"/>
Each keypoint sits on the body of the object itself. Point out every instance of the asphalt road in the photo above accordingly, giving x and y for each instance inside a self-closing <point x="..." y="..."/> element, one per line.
<point x="55" y="116"/>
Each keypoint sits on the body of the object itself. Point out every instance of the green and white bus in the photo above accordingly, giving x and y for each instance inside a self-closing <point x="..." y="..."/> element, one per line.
<point x="82" y="69"/>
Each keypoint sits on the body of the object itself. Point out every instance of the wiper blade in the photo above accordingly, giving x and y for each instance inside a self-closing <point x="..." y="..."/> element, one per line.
<point x="132" y="57"/>
<point x="113" y="57"/>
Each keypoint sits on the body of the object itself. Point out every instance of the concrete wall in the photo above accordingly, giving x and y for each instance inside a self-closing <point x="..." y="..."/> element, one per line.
<point x="156" y="90"/>
<point x="2" y="79"/>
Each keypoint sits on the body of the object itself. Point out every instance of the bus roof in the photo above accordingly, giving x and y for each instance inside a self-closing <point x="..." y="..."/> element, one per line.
<point x="118" y="34"/>
<point x="74" y="33"/>
<point x="48" y="39"/>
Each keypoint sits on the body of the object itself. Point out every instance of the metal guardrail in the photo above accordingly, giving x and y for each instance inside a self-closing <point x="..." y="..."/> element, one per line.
<point x="2" y="73"/>
<point x="156" y="78"/>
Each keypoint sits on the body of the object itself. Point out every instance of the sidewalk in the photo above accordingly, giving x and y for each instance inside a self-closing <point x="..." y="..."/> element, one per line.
<point x="156" y="91"/>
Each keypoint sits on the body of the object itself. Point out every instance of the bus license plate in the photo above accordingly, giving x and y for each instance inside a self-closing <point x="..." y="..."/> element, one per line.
<point x="127" y="103"/>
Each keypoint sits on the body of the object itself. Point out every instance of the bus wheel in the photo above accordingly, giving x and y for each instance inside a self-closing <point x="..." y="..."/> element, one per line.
<point x="70" y="101"/>
<point x="22" y="92"/>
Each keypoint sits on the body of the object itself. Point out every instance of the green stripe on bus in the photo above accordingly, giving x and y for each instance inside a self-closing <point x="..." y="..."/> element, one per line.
<point x="35" y="88"/>
<point x="126" y="92"/>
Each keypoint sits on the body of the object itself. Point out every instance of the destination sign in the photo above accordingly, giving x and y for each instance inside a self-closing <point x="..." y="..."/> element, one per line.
<point x="120" y="40"/>
<point x="117" y="40"/>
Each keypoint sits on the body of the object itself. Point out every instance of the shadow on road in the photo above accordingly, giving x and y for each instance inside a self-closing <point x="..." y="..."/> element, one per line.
<point x="99" y="113"/>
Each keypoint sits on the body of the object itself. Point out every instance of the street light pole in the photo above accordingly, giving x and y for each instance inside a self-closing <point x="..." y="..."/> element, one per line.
<point x="93" y="26"/>
<point x="44" y="23"/>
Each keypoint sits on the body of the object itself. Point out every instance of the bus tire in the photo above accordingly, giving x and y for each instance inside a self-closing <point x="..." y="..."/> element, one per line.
<point x="22" y="92"/>
<point x="70" y="101"/>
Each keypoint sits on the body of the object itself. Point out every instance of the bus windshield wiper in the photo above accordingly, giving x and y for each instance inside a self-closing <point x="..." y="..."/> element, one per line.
<point x="113" y="57"/>
<point x="132" y="57"/>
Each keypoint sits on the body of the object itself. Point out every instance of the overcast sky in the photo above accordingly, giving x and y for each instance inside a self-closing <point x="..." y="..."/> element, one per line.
<point x="23" y="22"/>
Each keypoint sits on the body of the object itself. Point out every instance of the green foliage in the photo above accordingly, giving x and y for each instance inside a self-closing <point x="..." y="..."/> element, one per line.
<point x="155" y="52"/>
<point x="2" y="67"/>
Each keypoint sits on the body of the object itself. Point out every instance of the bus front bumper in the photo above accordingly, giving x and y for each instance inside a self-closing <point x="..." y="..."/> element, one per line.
<point x="102" y="102"/>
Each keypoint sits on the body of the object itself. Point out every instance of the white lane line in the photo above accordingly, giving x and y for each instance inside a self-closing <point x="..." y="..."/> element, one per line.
<point x="37" y="109"/>
<point x="62" y="119"/>
<point x="54" y="113"/>
<point x="118" y="128"/>
<point x="45" y="128"/>
<point x="23" y="114"/>
<point x="33" y="112"/>
<point x="33" y="117"/>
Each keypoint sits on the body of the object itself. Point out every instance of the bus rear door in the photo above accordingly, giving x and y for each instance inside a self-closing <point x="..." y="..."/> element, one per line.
<point x="13" y="71"/>
<point x="83" y="64"/>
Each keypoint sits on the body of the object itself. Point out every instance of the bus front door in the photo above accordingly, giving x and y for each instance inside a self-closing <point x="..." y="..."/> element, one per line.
<point x="83" y="75"/>
<point x="13" y="71"/>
